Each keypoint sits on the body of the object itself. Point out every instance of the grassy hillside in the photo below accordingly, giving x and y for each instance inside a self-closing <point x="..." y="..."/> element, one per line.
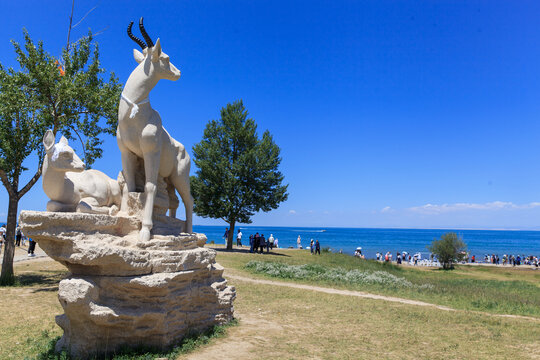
<point x="493" y="289"/>
<point x="282" y="322"/>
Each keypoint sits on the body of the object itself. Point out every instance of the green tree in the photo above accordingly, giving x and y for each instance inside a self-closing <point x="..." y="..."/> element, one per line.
<point x="237" y="172"/>
<point x="449" y="249"/>
<point x="67" y="95"/>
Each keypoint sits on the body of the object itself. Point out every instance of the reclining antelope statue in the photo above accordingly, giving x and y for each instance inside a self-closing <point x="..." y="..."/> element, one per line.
<point x="72" y="188"/>
<point x="140" y="133"/>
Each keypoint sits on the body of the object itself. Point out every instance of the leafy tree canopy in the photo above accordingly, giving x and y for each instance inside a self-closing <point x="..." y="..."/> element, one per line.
<point x="449" y="249"/>
<point x="68" y="95"/>
<point x="237" y="172"/>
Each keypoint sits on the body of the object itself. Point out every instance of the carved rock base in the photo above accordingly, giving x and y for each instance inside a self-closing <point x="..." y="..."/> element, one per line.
<point x="123" y="292"/>
<point x="104" y="313"/>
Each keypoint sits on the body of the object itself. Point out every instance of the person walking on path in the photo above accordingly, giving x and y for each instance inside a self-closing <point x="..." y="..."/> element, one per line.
<point x="2" y="236"/>
<point x="239" y="238"/>
<point x="18" y="236"/>
<point x="31" y="247"/>
<point x="317" y="247"/>
<point x="312" y="246"/>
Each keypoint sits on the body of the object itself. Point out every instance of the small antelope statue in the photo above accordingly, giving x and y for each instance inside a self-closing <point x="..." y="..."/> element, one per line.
<point x="72" y="188"/>
<point x="140" y="133"/>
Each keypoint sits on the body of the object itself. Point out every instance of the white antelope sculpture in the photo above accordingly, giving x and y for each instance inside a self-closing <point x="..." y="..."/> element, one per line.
<point x="140" y="133"/>
<point x="70" y="187"/>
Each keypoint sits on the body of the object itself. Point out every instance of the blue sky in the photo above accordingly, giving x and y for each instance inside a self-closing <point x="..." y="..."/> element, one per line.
<point x="388" y="113"/>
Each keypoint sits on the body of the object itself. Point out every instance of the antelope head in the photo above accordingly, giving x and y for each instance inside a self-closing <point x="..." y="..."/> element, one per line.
<point x="156" y="64"/>
<point x="61" y="156"/>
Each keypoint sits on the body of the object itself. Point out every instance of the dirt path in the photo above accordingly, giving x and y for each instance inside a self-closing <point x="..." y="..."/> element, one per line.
<point x="242" y="339"/>
<point x="239" y="341"/>
<point x="367" y="296"/>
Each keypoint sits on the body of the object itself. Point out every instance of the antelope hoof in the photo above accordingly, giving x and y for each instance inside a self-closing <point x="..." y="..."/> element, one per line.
<point x="144" y="235"/>
<point x="113" y="210"/>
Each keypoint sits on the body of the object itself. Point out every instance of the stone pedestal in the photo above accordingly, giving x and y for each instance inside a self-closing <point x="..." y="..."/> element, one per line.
<point x="123" y="292"/>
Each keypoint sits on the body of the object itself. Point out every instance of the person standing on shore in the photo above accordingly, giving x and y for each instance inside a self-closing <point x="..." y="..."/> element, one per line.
<point x="276" y="243"/>
<point x="262" y="244"/>
<point x="251" y="241"/>
<point x="256" y="242"/>
<point x="226" y="235"/>
<point x="311" y="247"/>
<point x="239" y="238"/>
<point x="268" y="244"/>
<point x="299" y="242"/>
<point x="271" y="241"/>
<point x="317" y="247"/>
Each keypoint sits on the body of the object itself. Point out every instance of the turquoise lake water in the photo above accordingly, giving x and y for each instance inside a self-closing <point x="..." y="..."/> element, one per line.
<point x="479" y="242"/>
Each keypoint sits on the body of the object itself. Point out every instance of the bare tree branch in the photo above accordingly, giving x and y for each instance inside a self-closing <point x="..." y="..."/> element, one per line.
<point x="80" y="139"/>
<point x="5" y="181"/>
<point x="31" y="183"/>
<point x="93" y="35"/>
<point x="84" y="17"/>
<point x="100" y="31"/>
<point x="70" y="21"/>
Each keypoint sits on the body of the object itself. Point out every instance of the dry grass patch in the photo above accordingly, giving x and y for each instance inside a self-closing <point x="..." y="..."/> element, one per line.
<point x="28" y="311"/>
<point x="316" y="325"/>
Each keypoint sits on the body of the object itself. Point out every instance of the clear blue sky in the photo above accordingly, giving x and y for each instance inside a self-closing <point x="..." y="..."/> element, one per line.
<point x="388" y="113"/>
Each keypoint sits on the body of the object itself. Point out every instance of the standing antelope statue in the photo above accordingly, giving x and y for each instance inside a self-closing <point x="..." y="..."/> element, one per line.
<point x="140" y="133"/>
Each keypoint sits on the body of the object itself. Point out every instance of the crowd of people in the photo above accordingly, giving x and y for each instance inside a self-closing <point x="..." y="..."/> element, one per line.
<point x="513" y="260"/>
<point x="257" y="242"/>
<point x="314" y="245"/>
<point x="403" y="257"/>
<point x="20" y="240"/>
<point x="416" y="259"/>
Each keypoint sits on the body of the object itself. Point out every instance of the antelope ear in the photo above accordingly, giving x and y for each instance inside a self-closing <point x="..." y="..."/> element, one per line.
<point x="48" y="140"/>
<point x="63" y="141"/>
<point x="156" y="51"/>
<point x="138" y="56"/>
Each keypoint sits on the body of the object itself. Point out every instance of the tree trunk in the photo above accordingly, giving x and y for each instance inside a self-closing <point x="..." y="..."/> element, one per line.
<point x="231" y="235"/>
<point x="8" y="277"/>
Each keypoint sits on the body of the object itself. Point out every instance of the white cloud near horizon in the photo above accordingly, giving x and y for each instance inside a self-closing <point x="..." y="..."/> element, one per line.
<point x="431" y="209"/>
<point x="387" y="209"/>
<point x="292" y="212"/>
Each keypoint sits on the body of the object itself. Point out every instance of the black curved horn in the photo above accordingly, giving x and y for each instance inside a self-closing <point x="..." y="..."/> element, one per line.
<point x="134" y="38"/>
<point x="147" y="38"/>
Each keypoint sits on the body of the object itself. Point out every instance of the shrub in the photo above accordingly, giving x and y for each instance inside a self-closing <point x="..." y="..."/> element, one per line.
<point x="449" y="249"/>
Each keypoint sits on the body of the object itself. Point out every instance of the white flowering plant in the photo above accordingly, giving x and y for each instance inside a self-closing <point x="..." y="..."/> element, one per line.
<point x="334" y="274"/>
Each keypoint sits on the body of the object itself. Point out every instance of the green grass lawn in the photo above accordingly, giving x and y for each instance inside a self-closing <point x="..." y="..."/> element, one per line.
<point x="278" y="322"/>
<point x="506" y="290"/>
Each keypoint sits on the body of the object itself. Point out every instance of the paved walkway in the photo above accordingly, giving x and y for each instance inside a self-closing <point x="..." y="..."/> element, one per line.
<point x="21" y="253"/>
